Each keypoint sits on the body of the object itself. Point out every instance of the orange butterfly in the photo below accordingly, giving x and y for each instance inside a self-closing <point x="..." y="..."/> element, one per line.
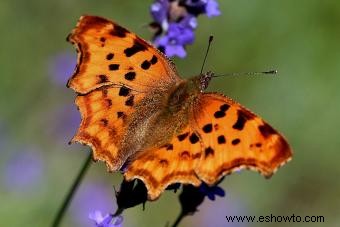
<point x="137" y="113"/>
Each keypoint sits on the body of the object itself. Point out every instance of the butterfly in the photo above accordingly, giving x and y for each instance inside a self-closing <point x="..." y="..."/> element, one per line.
<point x="140" y="117"/>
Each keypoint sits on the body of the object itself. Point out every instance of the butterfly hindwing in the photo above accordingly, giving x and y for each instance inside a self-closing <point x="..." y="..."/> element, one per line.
<point x="234" y="138"/>
<point x="104" y="114"/>
<point x="174" y="162"/>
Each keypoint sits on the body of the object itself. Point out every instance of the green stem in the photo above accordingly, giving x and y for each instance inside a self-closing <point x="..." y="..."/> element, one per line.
<point x="59" y="216"/>
<point x="178" y="220"/>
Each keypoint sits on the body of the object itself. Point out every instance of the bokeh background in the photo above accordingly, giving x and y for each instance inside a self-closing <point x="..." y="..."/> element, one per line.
<point x="37" y="115"/>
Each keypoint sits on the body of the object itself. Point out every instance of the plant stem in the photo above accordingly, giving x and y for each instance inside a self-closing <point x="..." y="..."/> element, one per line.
<point x="59" y="216"/>
<point x="178" y="220"/>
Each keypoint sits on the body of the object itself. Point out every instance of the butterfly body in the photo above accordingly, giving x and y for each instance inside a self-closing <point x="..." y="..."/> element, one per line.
<point x="160" y="116"/>
<point x="139" y="116"/>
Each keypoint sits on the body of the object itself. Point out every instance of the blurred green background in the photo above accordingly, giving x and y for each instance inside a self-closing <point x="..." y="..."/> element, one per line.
<point x="37" y="116"/>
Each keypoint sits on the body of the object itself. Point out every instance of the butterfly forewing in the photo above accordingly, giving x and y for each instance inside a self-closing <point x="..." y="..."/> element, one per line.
<point x="235" y="138"/>
<point x="104" y="114"/>
<point x="110" y="54"/>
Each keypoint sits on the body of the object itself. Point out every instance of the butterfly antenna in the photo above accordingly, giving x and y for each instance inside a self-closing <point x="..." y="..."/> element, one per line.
<point x="270" y="72"/>
<point x="206" y="53"/>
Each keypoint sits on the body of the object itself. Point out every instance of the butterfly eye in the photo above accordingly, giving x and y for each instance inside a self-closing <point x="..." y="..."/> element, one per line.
<point x="205" y="79"/>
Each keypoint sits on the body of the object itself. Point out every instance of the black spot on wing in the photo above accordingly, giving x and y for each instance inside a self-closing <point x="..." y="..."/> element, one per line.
<point x="120" y="114"/>
<point x="221" y="139"/>
<point x="103" y="79"/>
<point x="182" y="136"/>
<point x="129" y="101"/>
<point x="153" y="60"/>
<point x="219" y="114"/>
<point x="130" y="76"/>
<point x="208" y="151"/>
<point x="113" y="67"/>
<point x="124" y="91"/>
<point x="266" y="130"/>
<point x="235" y="141"/>
<point x="145" y="65"/>
<point x="109" y="56"/>
<point x="169" y="147"/>
<point x="119" y="31"/>
<point x="242" y="118"/>
<point x="193" y="138"/>
<point x="136" y="47"/>
<point x="222" y="112"/>
<point x="207" y="128"/>
<point x="224" y="107"/>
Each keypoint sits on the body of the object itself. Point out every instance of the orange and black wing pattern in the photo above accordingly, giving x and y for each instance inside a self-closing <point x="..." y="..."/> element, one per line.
<point x="234" y="138"/>
<point x="174" y="162"/>
<point x="116" y="69"/>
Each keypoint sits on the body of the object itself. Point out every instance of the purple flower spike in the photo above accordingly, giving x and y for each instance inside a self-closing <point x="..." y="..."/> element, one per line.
<point x="159" y="11"/>
<point x="212" y="191"/>
<point x="107" y="220"/>
<point x="212" y="9"/>
<point x="196" y="7"/>
<point x="175" y="21"/>
<point x="91" y="196"/>
<point x="179" y="35"/>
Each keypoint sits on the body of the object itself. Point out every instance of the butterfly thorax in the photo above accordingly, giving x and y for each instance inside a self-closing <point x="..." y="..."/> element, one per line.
<point x="186" y="91"/>
<point x="183" y="94"/>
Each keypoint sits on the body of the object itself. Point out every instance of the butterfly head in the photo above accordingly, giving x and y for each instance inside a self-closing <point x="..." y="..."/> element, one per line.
<point x="204" y="79"/>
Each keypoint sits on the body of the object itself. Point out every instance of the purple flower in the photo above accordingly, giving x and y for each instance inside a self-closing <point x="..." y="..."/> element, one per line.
<point x="211" y="191"/>
<point x="196" y="7"/>
<point x="159" y="11"/>
<point x="61" y="67"/>
<point x="23" y="170"/>
<point x="91" y="196"/>
<point x="175" y="21"/>
<point x="212" y="9"/>
<point x="178" y="35"/>
<point x="107" y="220"/>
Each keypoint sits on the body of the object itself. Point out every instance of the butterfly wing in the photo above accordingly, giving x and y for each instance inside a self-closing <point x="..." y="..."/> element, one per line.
<point x="174" y="162"/>
<point x="115" y="71"/>
<point x="221" y="137"/>
<point x="234" y="138"/>
<point x="108" y="54"/>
